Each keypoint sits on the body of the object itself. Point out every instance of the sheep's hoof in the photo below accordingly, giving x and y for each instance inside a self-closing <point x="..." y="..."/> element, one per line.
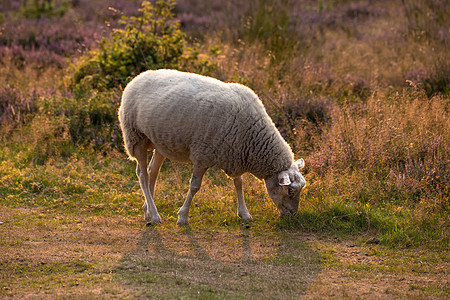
<point x="182" y="221"/>
<point x="153" y="221"/>
<point x="246" y="217"/>
<point x="148" y="224"/>
<point x="183" y="216"/>
<point x="156" y="220"/>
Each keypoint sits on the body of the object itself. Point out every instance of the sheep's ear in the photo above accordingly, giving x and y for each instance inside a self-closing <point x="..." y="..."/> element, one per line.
<point x="300" y="163"/>
<point x="283" y="178"/>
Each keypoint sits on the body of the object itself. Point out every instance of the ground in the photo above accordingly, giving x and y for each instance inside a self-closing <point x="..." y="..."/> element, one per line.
<point x="50" y="256"/>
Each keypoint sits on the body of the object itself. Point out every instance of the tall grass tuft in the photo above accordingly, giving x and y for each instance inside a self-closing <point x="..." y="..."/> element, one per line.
<point x="16" y="106"/>
<point x="392" y="154"/>
<point x="398" y="144"/>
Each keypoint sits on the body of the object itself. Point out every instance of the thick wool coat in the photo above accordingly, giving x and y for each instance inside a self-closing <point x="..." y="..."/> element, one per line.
<point x="189" y="117"/>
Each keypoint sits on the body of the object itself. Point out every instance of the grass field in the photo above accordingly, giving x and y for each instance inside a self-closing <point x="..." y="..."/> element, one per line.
<point x="359" y="89"/>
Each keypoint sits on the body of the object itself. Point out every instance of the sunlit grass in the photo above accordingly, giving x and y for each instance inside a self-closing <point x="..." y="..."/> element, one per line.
<point x="92" y="184"/>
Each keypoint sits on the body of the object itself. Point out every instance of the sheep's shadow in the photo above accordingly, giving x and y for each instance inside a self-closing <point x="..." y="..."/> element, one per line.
<point x="246" y="271"/>
<point x="151" y="241"/>
<point x="199" y="251"/>
<point x="150" y="236"/>
<point x="247" y="255"/>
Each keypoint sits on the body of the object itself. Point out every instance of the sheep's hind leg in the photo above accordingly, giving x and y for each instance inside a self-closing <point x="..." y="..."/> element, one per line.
<point x="196" y="182"/>
<point x="153" y="170"/>
<point x="150" y="210"/>
<point x="242" y="208"/>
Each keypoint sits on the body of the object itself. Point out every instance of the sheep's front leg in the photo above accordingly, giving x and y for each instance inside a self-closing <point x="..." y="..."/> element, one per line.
<point x="151" y="213"/>
<point x="242" y="208"/>
<point x="196" y="182"/>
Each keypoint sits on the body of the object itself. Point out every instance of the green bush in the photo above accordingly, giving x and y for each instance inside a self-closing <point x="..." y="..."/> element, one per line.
<point x="152" y="40"/>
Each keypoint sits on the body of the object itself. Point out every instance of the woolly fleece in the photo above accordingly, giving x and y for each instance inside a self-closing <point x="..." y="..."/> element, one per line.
<point x="189" y="117"/>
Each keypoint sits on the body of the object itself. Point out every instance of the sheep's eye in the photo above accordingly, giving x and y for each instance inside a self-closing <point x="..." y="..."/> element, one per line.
<point x="291" y="191"/>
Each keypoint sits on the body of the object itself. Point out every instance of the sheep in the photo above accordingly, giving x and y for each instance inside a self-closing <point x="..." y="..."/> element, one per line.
<point x="193" y="118"/>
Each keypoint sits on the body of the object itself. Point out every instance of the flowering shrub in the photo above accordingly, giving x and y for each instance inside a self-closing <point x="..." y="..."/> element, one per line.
<point x="45" y="33"/>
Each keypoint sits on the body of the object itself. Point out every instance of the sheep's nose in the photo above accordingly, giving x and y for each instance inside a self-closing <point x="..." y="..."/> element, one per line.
<point x="288" y="211"/>
<point x="285" y="213"/>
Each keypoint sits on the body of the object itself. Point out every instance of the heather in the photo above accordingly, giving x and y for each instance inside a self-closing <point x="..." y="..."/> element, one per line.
<point x="46" y="33"/>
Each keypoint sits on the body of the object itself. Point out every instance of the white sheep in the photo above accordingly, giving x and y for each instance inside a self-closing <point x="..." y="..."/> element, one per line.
<point x="189" y="117"/>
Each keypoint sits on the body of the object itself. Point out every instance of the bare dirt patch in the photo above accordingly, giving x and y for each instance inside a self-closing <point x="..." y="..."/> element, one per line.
<point x="375" y="272"/>
<point x="48" y="256"/>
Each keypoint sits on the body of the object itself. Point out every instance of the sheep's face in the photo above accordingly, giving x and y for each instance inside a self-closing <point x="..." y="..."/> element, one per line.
<point x="284" y="188"/>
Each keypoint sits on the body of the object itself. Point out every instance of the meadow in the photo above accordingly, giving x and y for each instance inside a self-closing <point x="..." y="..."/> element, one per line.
<point x="359" y="89"/>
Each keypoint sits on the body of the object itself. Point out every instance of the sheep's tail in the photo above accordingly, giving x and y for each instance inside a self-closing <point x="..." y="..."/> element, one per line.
<point x="131" y="136"/>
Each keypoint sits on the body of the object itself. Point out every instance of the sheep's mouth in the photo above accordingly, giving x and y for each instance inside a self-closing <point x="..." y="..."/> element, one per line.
<point x="286" y="212"/>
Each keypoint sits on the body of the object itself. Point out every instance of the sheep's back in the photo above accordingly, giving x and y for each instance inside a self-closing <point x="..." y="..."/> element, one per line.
<point x="186" y="117"/>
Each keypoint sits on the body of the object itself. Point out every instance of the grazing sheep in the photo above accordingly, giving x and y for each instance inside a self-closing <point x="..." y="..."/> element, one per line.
<point x="189" y="117"/>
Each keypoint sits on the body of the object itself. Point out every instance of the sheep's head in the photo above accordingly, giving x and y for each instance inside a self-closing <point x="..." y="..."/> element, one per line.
<point x="284" y="188"/>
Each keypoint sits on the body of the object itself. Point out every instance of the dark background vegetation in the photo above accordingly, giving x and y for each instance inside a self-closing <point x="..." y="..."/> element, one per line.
<point x="360" y="89"/>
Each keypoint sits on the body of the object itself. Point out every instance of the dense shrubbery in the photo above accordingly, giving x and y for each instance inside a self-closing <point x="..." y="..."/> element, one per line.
<point x="151" y="40"/>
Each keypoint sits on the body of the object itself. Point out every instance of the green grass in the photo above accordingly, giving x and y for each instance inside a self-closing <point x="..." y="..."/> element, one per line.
<point x="93" y="184"/>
